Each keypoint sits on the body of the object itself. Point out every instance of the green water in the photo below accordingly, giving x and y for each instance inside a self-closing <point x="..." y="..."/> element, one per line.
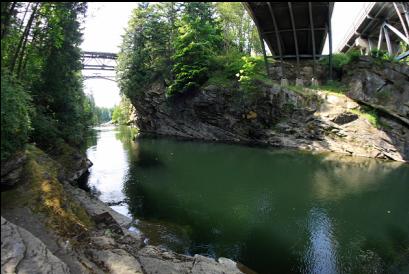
<point x="275" y="211"/>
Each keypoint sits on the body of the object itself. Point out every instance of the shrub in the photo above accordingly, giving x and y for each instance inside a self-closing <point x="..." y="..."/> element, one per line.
<point x="341" y="59"/>
<point x="382" y="56"/>
<point x="353" y="55"/>
<point x="228" y="64"/>
<point x="251" y="71"/>
<point x="15" y="116"/>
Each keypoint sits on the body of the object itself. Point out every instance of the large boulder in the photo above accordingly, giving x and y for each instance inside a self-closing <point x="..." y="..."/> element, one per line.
<point x="22" y="252"/>
<point x="12" y="169"/>
<point x="385" y="85"/>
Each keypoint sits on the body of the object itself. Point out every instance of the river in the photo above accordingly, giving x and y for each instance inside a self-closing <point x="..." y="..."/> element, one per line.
<point x="276" y="211"/>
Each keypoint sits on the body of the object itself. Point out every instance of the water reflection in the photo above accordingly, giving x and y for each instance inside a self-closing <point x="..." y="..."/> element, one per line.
<point x="321" y="255"/>
<point x="339" y="176"/>
<point x="276" y="211"/>
<point x="110" y="167"/>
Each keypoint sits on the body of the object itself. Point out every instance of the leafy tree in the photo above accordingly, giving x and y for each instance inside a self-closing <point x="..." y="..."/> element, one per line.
<point x="239" y="31"/>
<point x="121" y="113"/>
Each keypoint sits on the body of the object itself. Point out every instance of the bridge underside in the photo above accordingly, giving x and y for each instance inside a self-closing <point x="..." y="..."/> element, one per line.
<point x="381" y="25"/>
<point x="292" y="29"/>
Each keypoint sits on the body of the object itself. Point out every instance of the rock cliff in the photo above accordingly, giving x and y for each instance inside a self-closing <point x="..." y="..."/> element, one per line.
<point x="292" y="117"/>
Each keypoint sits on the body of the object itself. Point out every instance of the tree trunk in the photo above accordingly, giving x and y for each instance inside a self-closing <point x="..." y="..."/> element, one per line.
<point x="23" y="39"/>
<point x="7" y="15"/>
<point x="23" y="49"/>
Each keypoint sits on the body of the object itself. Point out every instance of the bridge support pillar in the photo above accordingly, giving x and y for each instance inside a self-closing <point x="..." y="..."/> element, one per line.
<point x="299" y="82"/>
<point x="284" y="82"/>
<point x="314" y="82"/>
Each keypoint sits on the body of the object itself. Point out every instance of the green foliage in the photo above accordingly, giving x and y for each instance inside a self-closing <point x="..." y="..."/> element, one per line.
<point x="198" y="40"/>
<point x="97" y="115"/>
<point x="15" y="120"/>
<point x="103" y="115"/>
<point x="252" y="73"/>
<point x="369" y="114"/>
<point x="228" y="64"/>
<point x="338" y="60"/>
<point x="45" y="128"/>
<point x="341" y="59"/>
<point x="332" y="86"/>
<point x="121" y="113"/>
<point x="145" y="50"/>
<point x="239" y="31"/>
<point x="42" y="54"/>
<point x="186" y="44"/>
<point x="382" y="56"/>
<point x="353" y="55"/>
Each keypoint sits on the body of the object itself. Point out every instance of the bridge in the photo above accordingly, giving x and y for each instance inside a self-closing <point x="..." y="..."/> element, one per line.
<point x="293" y="30"/>
<point x="379" y="25"/>
<point x="99" y="61"/>
<point x="298" y="30"/>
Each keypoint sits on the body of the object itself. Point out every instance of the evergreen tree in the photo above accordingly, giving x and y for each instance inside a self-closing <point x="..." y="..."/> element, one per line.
<point x="144" y="51"/>
<point x="199" y="39"/>
<point x="41" y="64"/>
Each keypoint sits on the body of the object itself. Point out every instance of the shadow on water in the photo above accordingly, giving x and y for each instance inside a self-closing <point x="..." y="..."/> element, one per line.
<point x="147" y="159"/>
<point x="276" y="211"/>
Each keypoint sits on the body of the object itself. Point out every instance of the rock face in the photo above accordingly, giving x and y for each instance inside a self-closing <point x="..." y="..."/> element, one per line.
<point x="276" y="116"/>
<point x="21" y="252"/>
<point x="156" y="260"/>
<point x="384" y="85"/>
<point x="12" y="169"/>
<point x="211" y="114"/>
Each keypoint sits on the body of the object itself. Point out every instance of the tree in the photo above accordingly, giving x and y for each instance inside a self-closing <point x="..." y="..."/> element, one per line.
<point x="239" y="31"/>
<point x="144" y="51"/>
<point x="40" y="52"/>
<point x="198" y="40"/>
<point x="121" y="113"/>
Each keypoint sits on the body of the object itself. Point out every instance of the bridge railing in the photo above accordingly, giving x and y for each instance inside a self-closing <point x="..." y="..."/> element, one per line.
<point x="357" y="22"/>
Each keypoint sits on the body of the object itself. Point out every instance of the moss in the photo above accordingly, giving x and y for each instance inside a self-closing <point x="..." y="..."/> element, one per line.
<point x="42" y="192"/>
<point x="332" y="87"/>
<point x="64" y="154"/>
<point x="369" y="114"/>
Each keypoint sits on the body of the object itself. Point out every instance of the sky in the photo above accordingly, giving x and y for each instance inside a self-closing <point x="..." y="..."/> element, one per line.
<point x="106" y="22"/>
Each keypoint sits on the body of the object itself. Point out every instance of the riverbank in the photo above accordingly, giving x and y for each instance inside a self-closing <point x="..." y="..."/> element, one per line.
<point x="50" y="225"/>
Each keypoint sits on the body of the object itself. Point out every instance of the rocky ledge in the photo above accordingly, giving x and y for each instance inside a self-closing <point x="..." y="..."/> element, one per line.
<point x="59" y="228"/>
<point x="294" y="117"/>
